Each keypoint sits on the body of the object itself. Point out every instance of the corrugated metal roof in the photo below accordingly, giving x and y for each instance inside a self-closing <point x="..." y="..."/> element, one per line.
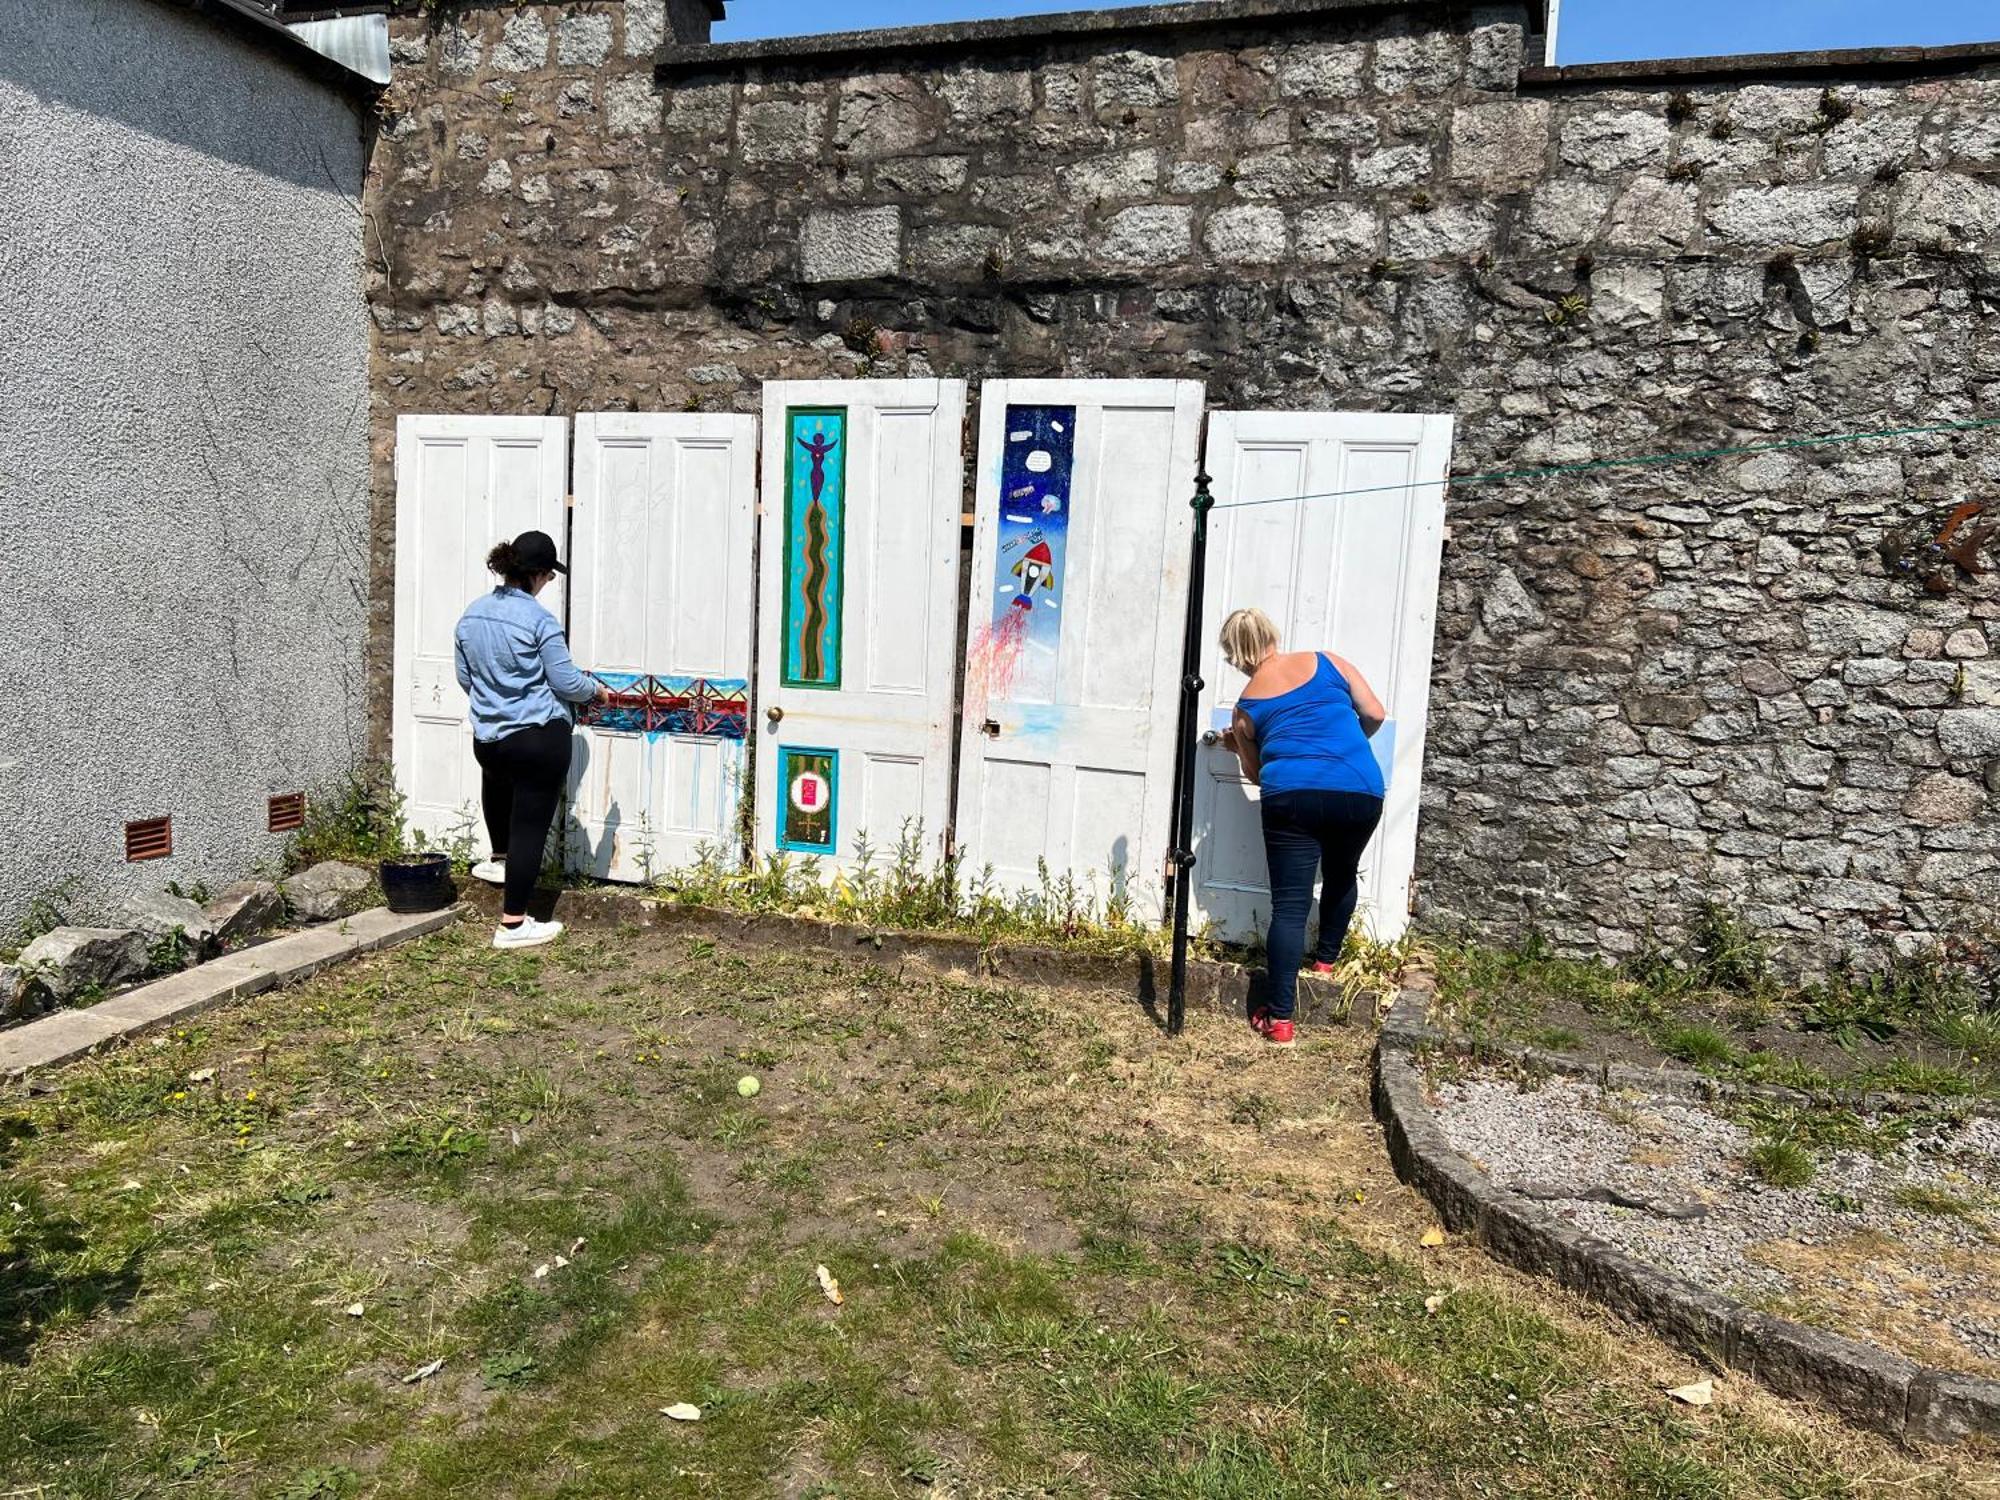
<point x="357" y="42"/>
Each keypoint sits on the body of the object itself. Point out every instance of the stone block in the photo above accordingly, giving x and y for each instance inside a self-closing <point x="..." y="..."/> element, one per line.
<point x="583" y="39"/>
<point x="986" y="97"/>
<point x="1946" y="211"/>
<point x="523" y="45"/>
<point x="1145" y="80"/>
<point x="645" y="27"/>
<point x="1623" y="295"/>
<point x="1393" y="167"/>
<point x="779" y="130"/>
<point x="699" y="110"/>
<point x="1969" y="733"/>
<point x="1150" y="235"/>
<point x="632" y="105"/>
<point x="160" y="916"/>
<point x="923" y="176"/>
<point x="1943" y="799"/>
<point x="1614" y="140"/>
<point x="1653" y="214"/>
<point x="851" y="244"/>
<point x="1967" y="644"/>
<point x="1287" y="174"/>
<point x="1428" y="62"/>
<point x="243" y="910"/>
<point x="1772" y="217"/>
<point x="1103" y="179"/>
<point x="69" y="962"/>
<point x="1493" y="61"/>
<point x="1500" y="147"/>
<point x="1340" y="232"/>
<point x="1566" y="213"/>
<point x="1246" y="236"/>
<point x="328" y="891"/>
<point x="1322" y="70"/>
<point x="956" y="249"/>
<point x="13" y="992"/>
<point x="881" y="114"/>
<point x="1455" y="230"/>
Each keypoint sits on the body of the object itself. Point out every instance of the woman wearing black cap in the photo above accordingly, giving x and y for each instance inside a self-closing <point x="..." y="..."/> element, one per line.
<point x="515" y="667"/>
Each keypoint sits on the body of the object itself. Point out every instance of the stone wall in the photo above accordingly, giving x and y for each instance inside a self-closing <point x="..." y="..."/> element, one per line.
<point x="1653" y="684"/>
<point x="184" y="443"/>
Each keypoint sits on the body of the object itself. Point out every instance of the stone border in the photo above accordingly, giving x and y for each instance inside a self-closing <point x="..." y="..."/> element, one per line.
<point x="1870" y="1387"/>
<point x="1218" y="987"/>
<point x="67" y="1035"/>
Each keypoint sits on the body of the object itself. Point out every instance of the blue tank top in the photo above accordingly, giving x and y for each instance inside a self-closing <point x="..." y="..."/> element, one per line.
<point x="1310" y="739"/>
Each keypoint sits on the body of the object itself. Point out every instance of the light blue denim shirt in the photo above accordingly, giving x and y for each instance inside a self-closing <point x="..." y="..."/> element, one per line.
<point x="514" y="664"/>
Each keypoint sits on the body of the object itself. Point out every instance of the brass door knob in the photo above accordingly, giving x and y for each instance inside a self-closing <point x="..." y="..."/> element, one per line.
<point x="774" y="713"/>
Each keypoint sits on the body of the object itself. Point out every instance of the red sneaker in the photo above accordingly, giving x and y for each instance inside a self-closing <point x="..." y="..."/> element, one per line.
<point x="1277" y="1033"/>
<point x="1320" y="966"/>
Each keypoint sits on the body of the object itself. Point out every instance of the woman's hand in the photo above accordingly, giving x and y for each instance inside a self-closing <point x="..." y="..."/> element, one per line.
<point x="602" y="695"/>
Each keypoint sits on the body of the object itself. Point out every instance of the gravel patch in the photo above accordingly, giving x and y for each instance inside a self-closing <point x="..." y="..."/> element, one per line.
<point x="1848" y="1251"/>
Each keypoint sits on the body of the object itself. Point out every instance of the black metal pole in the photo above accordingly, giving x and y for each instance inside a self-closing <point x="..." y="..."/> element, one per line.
<point x="1182" y="838"/>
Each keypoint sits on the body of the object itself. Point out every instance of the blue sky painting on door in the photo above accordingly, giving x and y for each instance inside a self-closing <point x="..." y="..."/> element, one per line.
<point x="815" y="522"/>
<point x="1016" y="657"/>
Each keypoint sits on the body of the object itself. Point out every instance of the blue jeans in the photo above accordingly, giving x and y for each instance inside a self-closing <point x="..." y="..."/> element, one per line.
<point x="1306" y="834"/>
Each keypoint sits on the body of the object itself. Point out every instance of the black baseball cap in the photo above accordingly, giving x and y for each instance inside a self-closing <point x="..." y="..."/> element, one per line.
<point x="535" y="551"/>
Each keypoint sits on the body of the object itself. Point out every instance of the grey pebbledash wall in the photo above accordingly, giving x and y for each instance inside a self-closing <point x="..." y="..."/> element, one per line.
<point x="183" y="443"/>
<point x="1652" y="685"/>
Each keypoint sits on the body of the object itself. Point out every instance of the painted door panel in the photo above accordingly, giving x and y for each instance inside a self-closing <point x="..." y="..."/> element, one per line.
<point x="462" y="484"/>
<point x="1351" y="568"/>
<point x="660" y="576"/>
<point x="863" y="481"/>
<point x="1079" y="596"/>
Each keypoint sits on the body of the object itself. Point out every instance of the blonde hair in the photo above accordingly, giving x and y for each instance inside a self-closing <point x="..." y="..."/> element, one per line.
<point x="1248" y="636"/>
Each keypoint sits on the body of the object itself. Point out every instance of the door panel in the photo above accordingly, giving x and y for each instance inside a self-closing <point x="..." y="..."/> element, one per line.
<point x="661" y="578"/>
<point x="462" y="484"/>
<point x="863" y="481"/>
<point x="1079" y="573"/>
<point x="1352" y="568"/>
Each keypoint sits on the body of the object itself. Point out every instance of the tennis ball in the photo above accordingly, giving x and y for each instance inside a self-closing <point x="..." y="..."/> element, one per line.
<point x="748" y="1086"/>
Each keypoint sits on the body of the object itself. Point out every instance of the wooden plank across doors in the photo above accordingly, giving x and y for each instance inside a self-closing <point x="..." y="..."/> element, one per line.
<point x="1352" y="568"/>
<point x="1078" y="602"/>
<point x="462" y="484"/>
<point x="662" y="606"/>
<point x="857" y="611"/>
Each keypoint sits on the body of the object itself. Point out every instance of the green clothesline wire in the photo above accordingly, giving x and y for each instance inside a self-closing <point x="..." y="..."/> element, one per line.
<point x="1700" y="455"/>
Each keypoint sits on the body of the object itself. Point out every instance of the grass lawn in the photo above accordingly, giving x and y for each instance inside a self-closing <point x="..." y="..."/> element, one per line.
<point x="1077" y="1259"/>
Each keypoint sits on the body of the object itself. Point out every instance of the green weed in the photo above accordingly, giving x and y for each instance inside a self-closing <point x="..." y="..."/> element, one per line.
<point x="1781" y="1163"/>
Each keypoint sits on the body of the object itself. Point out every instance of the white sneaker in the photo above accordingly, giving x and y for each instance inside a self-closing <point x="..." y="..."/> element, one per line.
<point x="492" y="871"/>
<point x="529" y="934"/>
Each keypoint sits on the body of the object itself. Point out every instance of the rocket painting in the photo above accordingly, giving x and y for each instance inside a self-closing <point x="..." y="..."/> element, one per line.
<point x="1029" y="558"/>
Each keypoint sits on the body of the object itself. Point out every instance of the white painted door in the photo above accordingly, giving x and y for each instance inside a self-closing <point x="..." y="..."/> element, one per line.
<point x="1352" y="568"/>
<point x="660" y="583"/>
<point x="462" y="484"/>
<point x="1079" y="600"/>
<point x="858" y="608"/>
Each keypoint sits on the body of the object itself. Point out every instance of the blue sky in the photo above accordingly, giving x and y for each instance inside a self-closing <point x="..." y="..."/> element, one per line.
<point x="1592" y="30"/>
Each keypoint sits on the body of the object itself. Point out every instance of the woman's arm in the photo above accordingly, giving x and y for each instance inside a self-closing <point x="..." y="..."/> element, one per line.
<point x="566" y="680"/>
<point x="1369" y="707"/>
<point x="1242" y="738"/>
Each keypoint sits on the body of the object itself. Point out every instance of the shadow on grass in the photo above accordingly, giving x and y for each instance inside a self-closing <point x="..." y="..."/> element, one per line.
<point x="40" y="1256"/>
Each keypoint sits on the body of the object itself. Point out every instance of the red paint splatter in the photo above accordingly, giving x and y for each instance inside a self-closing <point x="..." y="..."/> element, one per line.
<point x="993" y="662"/>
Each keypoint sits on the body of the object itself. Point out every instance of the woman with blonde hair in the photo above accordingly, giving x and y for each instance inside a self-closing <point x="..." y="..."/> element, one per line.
<point x="1301" y="732"/>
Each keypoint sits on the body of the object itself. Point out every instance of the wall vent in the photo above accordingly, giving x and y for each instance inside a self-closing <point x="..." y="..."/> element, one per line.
<point x="149" y="838"/>
<point x="288" y="812"/>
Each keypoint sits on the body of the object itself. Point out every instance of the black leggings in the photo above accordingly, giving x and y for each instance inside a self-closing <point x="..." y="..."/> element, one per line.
<point x="521" y="780"/>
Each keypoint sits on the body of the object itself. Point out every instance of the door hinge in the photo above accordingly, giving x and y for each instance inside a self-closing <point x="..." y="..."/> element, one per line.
<point x="569" y="502"/>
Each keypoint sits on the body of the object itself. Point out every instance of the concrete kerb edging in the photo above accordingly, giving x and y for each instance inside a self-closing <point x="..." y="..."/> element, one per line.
<point x="1884" y="1392"/>
<point x="1213" y="985"/>
<point x="70" y="1034"/>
